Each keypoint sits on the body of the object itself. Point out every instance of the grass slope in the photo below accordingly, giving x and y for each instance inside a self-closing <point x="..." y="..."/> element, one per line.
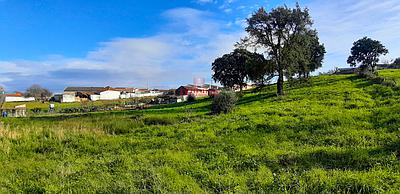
<point x="340" y="134"/>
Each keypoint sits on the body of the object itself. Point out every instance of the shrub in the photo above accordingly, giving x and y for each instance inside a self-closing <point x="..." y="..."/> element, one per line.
<point x="224" y="102"/>
<point x="191" y="98"/>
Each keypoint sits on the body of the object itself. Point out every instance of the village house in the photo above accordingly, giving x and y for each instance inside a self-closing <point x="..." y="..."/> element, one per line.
<point x="197" y="91"/>
<point x="18" y="97"/>
<point x="80" y="94"/>
<point x="110" y="94"/>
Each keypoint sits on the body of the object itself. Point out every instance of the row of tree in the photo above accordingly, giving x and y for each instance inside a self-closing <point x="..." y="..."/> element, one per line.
<point x="290" y="47"/>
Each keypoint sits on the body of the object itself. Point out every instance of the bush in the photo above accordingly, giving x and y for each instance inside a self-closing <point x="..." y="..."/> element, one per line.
<point x="224" y="102"/>
<point x="191" y="98"/>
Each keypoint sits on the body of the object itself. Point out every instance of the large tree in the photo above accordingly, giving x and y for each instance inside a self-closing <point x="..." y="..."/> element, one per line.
<point x="38" y="92"/>
<point x="233" y="69"/>
<point x="276" y="32"/>
<point x="366" y="52"/>
<point x="304" y="53"/>
<point x="258" y="68"/>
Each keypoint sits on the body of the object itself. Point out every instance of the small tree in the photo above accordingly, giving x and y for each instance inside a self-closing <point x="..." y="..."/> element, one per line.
<point x="224" y="102"/>
<point x="366" y="52"/>
<point x="38" y="92"/>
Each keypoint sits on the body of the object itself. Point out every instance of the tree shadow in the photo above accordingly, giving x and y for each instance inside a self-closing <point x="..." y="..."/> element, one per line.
<point x="253" y="98"/>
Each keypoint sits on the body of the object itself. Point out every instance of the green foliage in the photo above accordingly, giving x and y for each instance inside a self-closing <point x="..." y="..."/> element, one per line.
<point x="287" y="35"/>
<point x="230" y="70"/>
<point x="304" y="53"/>
<point x="366" y="52"/>
<point x="224" y="102"/>
<point x="338" y="135"/>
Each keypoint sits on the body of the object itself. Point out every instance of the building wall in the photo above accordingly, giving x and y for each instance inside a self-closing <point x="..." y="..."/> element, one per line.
<point x="19" y="99"/>
<point x="94" y="97"/>
<point x="110" y="95"/>
<point x="198" y="93"/>
<point x="69" y="97"/>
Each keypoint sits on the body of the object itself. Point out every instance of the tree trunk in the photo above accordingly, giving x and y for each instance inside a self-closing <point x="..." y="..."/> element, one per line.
<point x="280" y="83"/>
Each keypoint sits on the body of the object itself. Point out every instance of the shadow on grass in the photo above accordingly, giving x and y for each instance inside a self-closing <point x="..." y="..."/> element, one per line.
<point x="253" y="98"/>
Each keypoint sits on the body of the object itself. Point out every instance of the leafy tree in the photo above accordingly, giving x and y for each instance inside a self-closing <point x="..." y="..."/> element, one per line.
<point x="304" y="53"/>
<point x="230" y="69"/>
<point x="366" y="52"/>
<point x="277" y="31"/>
<point x="258" y="68"/>
<point x="38" y="92"/>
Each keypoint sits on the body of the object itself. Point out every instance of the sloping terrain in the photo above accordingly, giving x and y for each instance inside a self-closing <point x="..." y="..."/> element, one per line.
<point x="336" y="134"/>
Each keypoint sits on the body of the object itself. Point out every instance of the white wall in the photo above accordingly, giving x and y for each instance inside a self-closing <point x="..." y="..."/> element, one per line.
<point x="68" y="97"/>
<point x="19" y="99"/>
<point x="94" y="97"/>
<point x="110" y="95"/>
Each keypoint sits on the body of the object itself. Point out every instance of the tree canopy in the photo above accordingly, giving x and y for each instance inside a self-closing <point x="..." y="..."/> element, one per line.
<point x="38" y="92"/>
<point x="233" y="69"/>
<point x="288" y="39"/>
<point x="366" y="52"/>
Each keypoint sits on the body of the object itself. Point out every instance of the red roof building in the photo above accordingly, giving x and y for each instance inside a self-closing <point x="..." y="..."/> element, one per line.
<point x="196" y="91"/>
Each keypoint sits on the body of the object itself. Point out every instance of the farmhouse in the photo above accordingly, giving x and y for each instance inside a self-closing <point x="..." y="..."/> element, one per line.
<point x="198" y="91"/>
<point x="18" y="97"/>
<point x="110" y="94"/>
<point x="78" y="94"/>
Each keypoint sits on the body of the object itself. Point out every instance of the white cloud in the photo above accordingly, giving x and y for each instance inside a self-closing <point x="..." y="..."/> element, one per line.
<point x="340" y="23"/>
<point x="185" y="47"/>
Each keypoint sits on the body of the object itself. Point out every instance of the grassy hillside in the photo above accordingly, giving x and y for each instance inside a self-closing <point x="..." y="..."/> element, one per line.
<point x="339" y="134"/>
<point x="391" y="73"/>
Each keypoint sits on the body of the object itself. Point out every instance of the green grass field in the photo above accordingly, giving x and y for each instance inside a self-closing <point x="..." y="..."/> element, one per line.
<point x="340" y="134"/>
<point x="391" y="73"/>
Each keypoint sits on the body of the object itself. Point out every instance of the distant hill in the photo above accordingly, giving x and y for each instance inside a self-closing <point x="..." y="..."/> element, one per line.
<point x="336" y="134"/>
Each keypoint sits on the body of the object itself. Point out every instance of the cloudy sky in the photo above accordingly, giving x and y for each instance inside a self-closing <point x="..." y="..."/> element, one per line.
<point x="160" y="43"/>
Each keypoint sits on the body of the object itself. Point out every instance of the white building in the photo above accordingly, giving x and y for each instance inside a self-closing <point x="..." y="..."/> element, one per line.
<point x="18" y="97"/>
<point x="95" y="97"/>
<point x="69" y="97"/>
<point x="110" y="95"/>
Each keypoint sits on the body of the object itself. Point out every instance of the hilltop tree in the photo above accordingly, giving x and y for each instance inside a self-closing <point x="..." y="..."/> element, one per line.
<point x="234" y="68"/>
<point x="366" y="52"/>
<point x="278" y="32"/>
<point x="38" y="92"/>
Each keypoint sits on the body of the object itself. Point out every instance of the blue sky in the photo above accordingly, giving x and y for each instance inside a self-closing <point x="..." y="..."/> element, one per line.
<point x="58" y="43"/>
